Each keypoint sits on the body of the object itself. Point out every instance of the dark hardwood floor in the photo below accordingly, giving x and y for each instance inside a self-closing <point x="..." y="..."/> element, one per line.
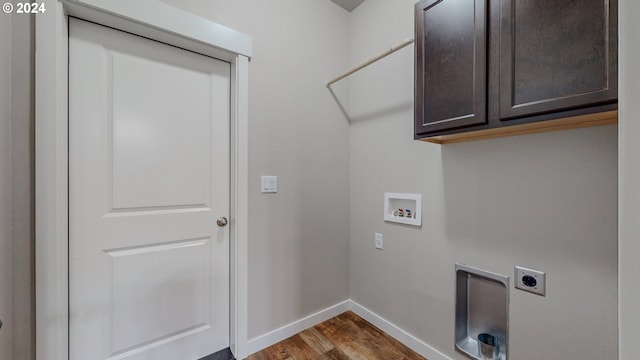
<point x="345" y="337"/>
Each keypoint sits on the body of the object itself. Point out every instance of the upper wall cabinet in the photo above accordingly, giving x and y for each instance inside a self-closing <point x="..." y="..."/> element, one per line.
<point x="490" y="64"/>
<point x="451" y="75"/>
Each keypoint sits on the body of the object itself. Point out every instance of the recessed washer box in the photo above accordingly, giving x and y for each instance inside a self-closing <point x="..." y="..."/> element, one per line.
<point x="397" y="204"/>
<point x="482" y="307"/>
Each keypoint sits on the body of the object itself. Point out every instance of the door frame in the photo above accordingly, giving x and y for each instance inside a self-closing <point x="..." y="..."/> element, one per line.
<point x="155" y="20"/>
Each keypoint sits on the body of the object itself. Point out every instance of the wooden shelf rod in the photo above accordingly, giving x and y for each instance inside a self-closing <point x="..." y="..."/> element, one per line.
<point x="370" y="61"/>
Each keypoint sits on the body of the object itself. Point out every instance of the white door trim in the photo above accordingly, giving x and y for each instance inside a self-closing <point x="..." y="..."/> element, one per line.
<point x="158" y="21"/>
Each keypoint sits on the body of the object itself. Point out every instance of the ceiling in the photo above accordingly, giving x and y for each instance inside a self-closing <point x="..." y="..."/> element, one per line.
<point x="348" y="4"/>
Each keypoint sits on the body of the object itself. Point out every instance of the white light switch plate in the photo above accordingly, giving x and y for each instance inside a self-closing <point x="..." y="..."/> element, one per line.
<point x="268" y="184"/>
<point x="378" y="241"/>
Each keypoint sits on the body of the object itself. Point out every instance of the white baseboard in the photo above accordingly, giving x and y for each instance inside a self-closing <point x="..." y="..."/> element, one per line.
<point x="273" y="337"/>
<point x="397" y="333"/>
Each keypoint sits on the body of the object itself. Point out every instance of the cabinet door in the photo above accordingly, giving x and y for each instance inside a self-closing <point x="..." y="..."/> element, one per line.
<point x="450" y="64"/>
<point x="557" y="55"/>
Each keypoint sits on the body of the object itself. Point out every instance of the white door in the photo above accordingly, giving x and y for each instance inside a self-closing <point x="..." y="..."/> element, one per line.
<point x="148" y="177"/>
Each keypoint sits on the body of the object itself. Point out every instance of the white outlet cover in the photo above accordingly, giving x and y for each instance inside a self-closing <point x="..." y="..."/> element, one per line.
<point x="530" y="280"/>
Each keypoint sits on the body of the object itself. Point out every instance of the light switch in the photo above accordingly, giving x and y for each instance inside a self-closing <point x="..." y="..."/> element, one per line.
<point x="269" y="184"/>
<point x="378" y="241"/>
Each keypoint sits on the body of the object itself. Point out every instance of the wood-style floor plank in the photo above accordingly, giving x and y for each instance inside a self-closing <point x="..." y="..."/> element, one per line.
<point x="299" y="349"/>
<point x="344" y="337"/>
<point x="316" y="341"/>
<point x="381" y="338"/>
<point x="334" y="354"/>
<point x="373" y="338"/>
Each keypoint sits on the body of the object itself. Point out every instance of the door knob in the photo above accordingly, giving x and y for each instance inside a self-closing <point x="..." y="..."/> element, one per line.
<point x="222" y="221"/>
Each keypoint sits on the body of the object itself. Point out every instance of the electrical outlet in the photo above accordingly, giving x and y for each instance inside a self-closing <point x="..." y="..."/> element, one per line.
<point x="531" y="280"/>
<point x="378" y="241"/>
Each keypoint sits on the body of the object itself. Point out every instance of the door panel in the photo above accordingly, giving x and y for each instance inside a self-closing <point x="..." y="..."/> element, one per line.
<point x="148" y="176"/>
<point x="174" y="275"/>
<point x="147" y="140"/>
<point x="557" y="55"/>
<point x="450" y="64"/>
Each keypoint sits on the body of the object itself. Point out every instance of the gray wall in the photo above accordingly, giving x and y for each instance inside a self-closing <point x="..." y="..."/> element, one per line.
<point x="16" y="187"/>
<point x="629" y="196"/>
<point x="23" y="120"/>
<point x="6" y="242"/>
<point x="298" y="238"/>
<point x="545" y="201"/>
